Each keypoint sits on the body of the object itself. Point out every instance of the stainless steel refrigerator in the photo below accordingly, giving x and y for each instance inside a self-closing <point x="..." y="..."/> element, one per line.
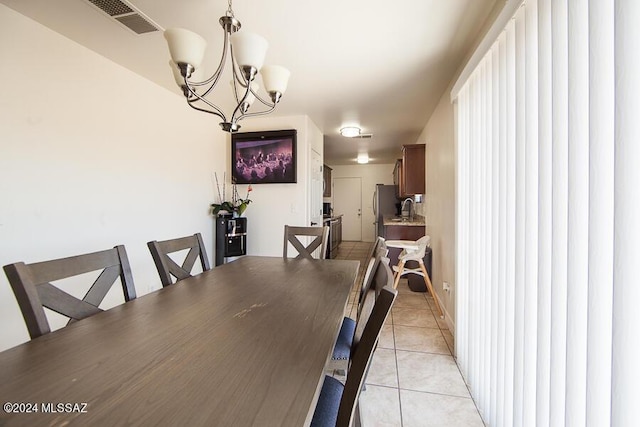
<point x="384" y="203"/>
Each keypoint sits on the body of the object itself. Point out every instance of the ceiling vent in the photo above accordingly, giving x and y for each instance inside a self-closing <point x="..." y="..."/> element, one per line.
<point x="125" y="14"/>
<point x="363" y="136"/>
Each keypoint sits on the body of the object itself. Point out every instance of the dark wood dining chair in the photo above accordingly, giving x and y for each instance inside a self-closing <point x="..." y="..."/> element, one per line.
<point x="379" y="276"/>
<point x="167" y="267"/>
<point x="378" y="250"/>
<point x="338" y="404"/>
<point x="341" y="353"/>
<point x="291" y="235"/>
<point x="33" y="290"/>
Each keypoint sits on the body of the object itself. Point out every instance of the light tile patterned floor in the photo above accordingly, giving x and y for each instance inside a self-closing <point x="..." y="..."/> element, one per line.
<point x="413" y="379"/>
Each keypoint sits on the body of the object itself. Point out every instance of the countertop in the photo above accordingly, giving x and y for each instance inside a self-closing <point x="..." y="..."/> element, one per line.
<point x="330" y="218"/>
<point x="418" y="220"/>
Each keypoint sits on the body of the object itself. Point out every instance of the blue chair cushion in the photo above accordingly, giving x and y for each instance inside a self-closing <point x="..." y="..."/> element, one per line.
<point x="326" y="413"/>
<point x="342" y="349"/>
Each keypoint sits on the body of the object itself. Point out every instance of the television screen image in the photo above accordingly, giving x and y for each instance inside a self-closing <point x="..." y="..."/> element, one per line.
<point x="267" y="157"/>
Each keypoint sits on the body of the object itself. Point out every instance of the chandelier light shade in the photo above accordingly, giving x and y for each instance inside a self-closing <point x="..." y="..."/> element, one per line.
<point x="249" y="49"/>
<point x="177" y="76"/>
<point x="247" y="52"/>
<point x="275" y="78"/>
<point x="185" y="46"/>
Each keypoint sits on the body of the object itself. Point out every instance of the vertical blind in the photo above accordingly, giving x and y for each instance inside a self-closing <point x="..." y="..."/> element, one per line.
<point x="548" y="216"/>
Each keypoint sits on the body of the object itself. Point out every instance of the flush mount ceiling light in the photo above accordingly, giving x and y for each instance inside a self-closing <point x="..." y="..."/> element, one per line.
<point x="363" y="158"/>
<point x="350" y="131"/>
<point x="247" y="51"/>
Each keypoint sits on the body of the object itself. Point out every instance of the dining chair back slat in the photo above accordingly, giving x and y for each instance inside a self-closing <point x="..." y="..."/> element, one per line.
<point x="168" y="268"/>
<point x="320" y="234"/>
<point x="31" y="284"/>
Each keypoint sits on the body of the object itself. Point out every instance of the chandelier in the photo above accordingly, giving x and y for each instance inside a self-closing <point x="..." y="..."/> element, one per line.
<point x="247" y="52"/>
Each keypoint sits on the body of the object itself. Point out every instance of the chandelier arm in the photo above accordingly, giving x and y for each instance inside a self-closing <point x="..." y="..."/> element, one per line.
<point x="216" y="76"/>
<point x="235" y="91"/>
<point x="190" y="101"/>
<point x="235" y="79"/>
<point x="265" y="103"/>
<point x="244" y="98"/>
<point x="257" y="113"/>
<point x="215" y="113"/>
<point x="238" y="77"/>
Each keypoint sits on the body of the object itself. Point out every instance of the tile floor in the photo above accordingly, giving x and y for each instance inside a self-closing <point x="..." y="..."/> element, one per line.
<point x="413" y="379"/>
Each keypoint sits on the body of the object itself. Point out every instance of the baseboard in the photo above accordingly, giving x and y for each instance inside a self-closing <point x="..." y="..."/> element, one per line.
<point x="447" y="316"/>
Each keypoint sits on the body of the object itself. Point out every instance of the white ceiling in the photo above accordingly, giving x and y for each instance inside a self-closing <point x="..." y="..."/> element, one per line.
<point x="381" y="64"/>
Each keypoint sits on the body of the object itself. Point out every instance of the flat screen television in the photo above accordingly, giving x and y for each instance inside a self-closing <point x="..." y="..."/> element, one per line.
<point x="266" y="157"/>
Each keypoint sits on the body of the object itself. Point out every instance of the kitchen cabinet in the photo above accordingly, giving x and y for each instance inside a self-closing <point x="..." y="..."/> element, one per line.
<point x="409" y="173"/>
<point x="326" y="179"/>
<point x="397" y="179"/>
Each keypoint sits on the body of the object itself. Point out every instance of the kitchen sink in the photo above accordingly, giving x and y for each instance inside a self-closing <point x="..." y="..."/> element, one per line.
<point x="400" y="219"/>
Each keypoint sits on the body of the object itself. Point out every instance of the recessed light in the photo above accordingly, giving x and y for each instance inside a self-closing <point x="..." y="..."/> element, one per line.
<point x="363" y="158"/>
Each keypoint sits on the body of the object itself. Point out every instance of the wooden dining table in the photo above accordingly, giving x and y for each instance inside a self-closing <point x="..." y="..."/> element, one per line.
<point x="244" y="344"/>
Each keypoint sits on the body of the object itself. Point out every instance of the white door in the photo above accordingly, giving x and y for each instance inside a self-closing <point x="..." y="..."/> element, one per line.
<point x="347" y="201"/>
<point x="315" y="192"/>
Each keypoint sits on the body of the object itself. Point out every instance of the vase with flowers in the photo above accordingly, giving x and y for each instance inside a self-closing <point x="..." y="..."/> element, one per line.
<point x="235" y="206"/>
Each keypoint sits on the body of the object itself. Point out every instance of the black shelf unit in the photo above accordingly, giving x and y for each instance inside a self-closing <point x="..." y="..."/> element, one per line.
<point x="231" y="238"/>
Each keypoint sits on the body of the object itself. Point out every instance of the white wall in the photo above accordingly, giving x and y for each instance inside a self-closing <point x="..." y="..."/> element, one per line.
<point x="91" y="156"/>
<point x="274" y="205"/>
<point x="370" y="175"/>
<point x="439" y="201"/>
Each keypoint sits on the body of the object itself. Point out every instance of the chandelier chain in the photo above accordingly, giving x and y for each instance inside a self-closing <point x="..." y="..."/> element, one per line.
<point x="230" y="10"/>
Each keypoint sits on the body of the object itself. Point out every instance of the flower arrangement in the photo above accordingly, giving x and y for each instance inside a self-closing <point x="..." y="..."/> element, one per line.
<point x="236" y="206"/>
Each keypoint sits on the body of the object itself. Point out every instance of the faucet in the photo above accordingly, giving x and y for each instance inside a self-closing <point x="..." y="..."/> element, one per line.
<point x="408" y="199"/>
